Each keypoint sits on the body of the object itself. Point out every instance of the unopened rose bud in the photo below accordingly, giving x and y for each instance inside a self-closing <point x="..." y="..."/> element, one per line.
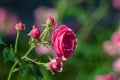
<point x="51" y="22"/>
<point x="20" y="26"/>
<point x="55" y="65"/>
<point x="35" y="32"/>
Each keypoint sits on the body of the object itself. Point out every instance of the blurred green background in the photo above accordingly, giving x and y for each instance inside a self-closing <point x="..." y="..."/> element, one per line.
<point x="93" y="21"/>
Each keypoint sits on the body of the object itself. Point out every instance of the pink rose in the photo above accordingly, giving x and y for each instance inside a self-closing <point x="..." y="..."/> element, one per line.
<point x="55" y="65"/>
<point x="35" y="32"/>
<point x="50" y="21"/>
<point x="64" y="41"/>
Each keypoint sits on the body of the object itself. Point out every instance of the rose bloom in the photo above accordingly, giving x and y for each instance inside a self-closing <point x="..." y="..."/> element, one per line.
<point x="116" y="65"/>
<point x="106" y="77"/>
<point x="35" y="32"/>
<point x="64" y="41"/>
<point x="55" y="65"/>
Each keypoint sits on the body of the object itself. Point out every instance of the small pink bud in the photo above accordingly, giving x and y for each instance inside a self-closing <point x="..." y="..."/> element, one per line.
<point x="20" y="26"/>
<point x="35" y="32"/>
<point x="50" y="21"/>
<point x="55" y="65"/>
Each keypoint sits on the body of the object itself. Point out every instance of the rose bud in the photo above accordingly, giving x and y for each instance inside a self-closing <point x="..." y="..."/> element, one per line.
<point x="64" y="41"/>
<point x="51" y="22"/>
<point x="20" y="26"/>
<point x="55" y="65"/>
<point x="35" y="32"/>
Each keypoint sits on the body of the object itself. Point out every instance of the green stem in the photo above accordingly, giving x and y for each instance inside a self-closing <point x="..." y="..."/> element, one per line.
<point x="27" y="52"/>
<point x="16" y="42"/>
<point x="31" y="60"/>
<point x="10" y="73"/>
<point x="44" y="33"/>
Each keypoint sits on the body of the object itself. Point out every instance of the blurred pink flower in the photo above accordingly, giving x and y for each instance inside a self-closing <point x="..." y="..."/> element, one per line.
<point x="109" y="48"/>
<point x="42" y="50"/>
<point x="116" y="38"/>
<point x="116" y="4"/>
<point x="105" y="77"/>
<point x="116" y="65"/>
<point x="13" y="20"/>
<point x="7" y="22"/>
<point x="42" y="13"/>
<point x="3" y="16"/>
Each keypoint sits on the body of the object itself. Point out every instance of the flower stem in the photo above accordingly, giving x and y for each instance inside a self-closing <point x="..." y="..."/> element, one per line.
<point x="16" y="62"/>
<point x="16" y="42"/>
<point x="44" y="33"/>
<point x="27" y="52"/>
<point x="31" y="60"/>
<point x="10" y="73"/>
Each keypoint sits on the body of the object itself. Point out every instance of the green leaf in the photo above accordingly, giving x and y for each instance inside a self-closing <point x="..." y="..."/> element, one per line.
<point x="23" y="70"/>
<point x="8" y="54"/>
<point x="35" y="71"/>
<point x="2" y="42"/>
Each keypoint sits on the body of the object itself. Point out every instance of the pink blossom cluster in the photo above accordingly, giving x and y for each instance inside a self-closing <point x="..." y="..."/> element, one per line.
<point x="63" y="39"/>
<point x="112" y="48"/>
